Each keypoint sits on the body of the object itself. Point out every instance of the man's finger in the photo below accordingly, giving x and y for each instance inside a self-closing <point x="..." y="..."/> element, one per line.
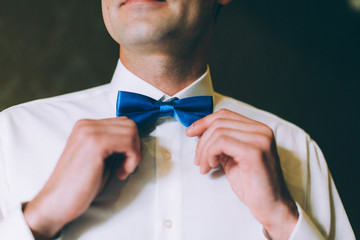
<point x="200" y="126"/>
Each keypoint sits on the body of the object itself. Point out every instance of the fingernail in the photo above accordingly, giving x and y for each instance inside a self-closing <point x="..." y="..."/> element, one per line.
<point x="202" y="169"/>
<point x="191" y="128"/>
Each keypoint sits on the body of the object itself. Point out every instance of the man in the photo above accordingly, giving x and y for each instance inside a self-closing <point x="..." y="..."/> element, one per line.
<point x="71" y="169"/>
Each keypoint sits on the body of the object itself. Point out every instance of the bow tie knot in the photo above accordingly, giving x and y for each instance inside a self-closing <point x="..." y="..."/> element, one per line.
<point x="167" y="108"/>
<point x="143" y="109"/>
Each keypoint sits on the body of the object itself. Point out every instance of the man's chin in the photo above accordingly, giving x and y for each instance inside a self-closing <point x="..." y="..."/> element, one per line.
<point x="144" y="3"/>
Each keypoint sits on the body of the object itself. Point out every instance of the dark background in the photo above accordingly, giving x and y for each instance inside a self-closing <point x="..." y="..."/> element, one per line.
<point x="297" y="59"/>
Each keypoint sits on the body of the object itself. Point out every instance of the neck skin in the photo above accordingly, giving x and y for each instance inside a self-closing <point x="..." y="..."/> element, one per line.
<point x="169" y="69"/>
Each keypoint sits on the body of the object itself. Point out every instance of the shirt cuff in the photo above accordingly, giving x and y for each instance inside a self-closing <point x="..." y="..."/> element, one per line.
<point x="14" y="227"/>
<point x="304" y="228"/>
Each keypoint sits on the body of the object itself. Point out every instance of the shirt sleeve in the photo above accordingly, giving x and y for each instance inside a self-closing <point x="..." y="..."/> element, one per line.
<point x="323" y="215"/>
<point x="14" y="227"/>
<point x="305" y="228"/>
<point x="12" y="221"/>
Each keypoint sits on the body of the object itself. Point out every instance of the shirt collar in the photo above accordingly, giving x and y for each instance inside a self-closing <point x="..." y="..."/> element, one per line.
<point x="124" y="80"/>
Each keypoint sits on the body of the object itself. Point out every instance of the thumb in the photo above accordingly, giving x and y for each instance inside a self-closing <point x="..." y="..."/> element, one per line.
<point x="198" y="127"/>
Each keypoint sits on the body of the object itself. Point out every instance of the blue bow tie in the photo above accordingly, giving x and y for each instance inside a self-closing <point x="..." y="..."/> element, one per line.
<point x="144" y="110"/>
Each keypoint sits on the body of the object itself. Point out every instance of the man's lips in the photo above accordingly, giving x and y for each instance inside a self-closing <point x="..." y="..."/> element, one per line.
<point x="123" y="2"/>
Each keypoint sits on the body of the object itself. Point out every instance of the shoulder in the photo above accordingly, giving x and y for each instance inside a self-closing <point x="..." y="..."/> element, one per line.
<point x="63" y="105"/>
<point x="68" y="98"/>
<point x="272" y="120"/>
<point x="53" y="118"/>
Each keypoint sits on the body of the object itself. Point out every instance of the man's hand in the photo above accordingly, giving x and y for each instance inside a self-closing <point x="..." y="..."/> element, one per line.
<point x="246" y="150"/>
<point x="82" y="171"/>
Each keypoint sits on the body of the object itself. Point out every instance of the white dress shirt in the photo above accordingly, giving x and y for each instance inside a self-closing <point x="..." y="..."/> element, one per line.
<point x="166" y="198"/>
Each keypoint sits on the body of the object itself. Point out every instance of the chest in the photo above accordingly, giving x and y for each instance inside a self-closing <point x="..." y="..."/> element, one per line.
<point x="166" y="197"/>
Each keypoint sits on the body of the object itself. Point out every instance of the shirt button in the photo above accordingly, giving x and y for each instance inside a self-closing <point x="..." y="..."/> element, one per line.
<point x="167" y="155"/>
<point x="168" y="223"/>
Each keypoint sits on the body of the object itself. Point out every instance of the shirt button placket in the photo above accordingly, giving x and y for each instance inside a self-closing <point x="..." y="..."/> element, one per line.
<point x="168" y="223"/>
<point x="167" y="155"/>
<point x="168" y="181"/>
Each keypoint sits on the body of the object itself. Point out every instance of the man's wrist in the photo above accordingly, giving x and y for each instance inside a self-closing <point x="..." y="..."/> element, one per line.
<point x="282" y="222"/>
<point x="41" y="228"/>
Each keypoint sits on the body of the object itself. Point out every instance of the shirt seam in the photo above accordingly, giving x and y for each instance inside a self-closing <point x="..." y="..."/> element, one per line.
<point x="64" y="97"/>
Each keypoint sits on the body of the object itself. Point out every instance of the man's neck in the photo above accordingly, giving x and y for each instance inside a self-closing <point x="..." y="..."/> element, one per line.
<point x="168" y="73"/>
